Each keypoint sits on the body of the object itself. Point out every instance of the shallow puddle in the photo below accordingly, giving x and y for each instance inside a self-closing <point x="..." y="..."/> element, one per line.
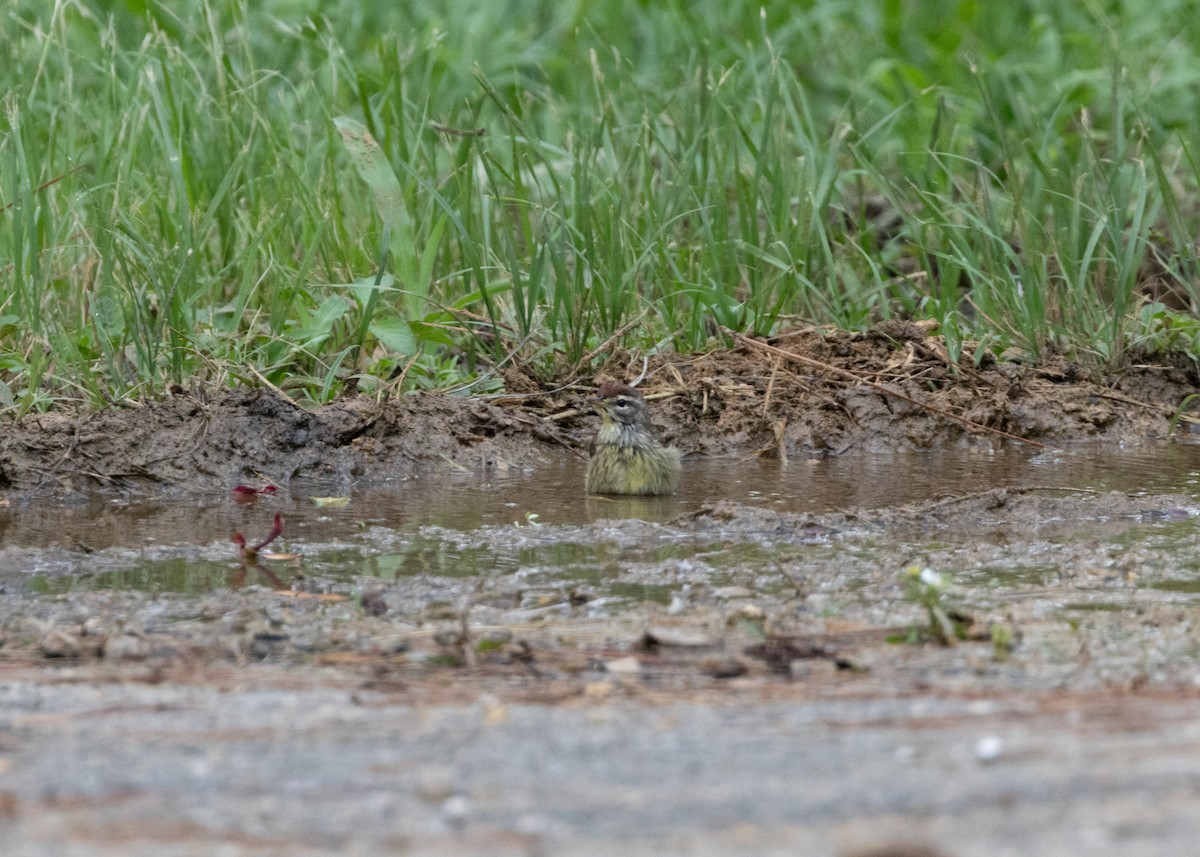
<point x="389" y="557"/>
<point x="404" y="530"/>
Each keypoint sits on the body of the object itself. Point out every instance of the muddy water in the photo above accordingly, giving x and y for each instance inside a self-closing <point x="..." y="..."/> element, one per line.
<point x="504" y="690"/>
<point x="405" y="529"/>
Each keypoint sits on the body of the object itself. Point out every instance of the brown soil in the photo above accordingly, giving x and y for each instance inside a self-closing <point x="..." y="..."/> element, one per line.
<point x="769" y="687"/>
<point x="892" y="388"/>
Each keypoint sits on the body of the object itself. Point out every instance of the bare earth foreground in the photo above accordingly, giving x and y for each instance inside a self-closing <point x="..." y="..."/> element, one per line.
<point x="733" y="680"/>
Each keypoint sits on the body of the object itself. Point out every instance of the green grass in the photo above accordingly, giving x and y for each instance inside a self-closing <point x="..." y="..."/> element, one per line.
<point x="207" y="192"/>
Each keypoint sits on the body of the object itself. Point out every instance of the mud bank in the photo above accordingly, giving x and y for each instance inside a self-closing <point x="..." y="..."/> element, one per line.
<point x="821" y="393"/>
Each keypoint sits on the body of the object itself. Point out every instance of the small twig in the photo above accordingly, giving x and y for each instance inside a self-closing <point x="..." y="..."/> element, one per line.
<point x="800" y="331"/>
<point x="817" y="364"/>
<point x="1007" y="489"/>
<point x="939" y="352"/>
<point x="661" y="394"/>
<point x="544" y="432"/>
<point x="493" y="370"/>
<point x="1117" y="397"/>
<point x="607" y="343"/>
<point x="780" y="429"/>
<point x="799" y="584"/>
<point x="464" y="631"/>
<point x="50" y="183"/>
<point x="642" y="375"/>
<point x="1026" y="489"/>
<point x="770" y="387"/>
<point x="263" y="378"/>
<point x="750" y="456"/>
<point x="457" y="132"/>
<point x="398" y="382"/>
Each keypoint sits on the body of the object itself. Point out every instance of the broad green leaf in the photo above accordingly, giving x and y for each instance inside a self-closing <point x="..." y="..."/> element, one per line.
<point x="330" y="310"/>
<point x="106" y="310"/>
<point x="320" y="326"/>
<point x="373" y="166"/>
<point x="395" y="333"/>
<point x="431" y="333"/>
<point x="363" y="288"/>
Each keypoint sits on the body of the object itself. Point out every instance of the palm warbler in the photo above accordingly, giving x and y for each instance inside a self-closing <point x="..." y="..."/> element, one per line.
<point x="628" y="458"/>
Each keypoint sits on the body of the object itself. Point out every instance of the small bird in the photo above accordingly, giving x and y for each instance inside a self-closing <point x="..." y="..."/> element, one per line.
<point x="628" y="458"/>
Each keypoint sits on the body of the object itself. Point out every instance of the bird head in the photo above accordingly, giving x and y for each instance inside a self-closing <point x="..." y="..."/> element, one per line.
<point x="620" y="403"/>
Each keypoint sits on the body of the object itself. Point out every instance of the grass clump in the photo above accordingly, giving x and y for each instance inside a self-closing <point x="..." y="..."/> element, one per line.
<point x="421" y="193"/>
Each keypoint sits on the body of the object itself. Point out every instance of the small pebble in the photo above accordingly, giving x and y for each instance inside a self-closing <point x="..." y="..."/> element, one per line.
<point x="989" y="748"/>
<point x="456" y="810"/>
<point x="681" y="637"/>
<point x="623" y="666"/>
<point x="727" y="593"/>
<point x="58" y="644"/>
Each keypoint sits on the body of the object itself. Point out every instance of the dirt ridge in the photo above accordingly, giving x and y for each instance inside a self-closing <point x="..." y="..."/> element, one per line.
<point x="729" y="402"/>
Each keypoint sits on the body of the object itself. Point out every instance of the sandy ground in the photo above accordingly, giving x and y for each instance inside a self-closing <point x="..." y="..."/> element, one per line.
<point x="242" y="763"/>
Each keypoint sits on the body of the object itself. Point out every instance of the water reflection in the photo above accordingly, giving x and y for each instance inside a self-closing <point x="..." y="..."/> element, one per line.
<point x="553" y="494"/>
<point x="185" y="547"/>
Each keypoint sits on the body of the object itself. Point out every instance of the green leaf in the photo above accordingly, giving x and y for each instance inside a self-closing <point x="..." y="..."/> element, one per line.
<point x="395" y="333"/>
<point x="429" y="256"/>
<point x="330" y="310"/>
<point x="106" y="310"/>
<point x="320" y="326"/>
<point x="364" y="287"/>
<point x="491" y="290"/>
<point x="431" y="333"/>
<point x="373" y="167"/>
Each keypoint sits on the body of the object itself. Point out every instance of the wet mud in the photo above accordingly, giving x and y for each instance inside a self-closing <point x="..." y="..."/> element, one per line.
<point x="527" y="688"/>
<point x="727" y="590"/>
<point x="860" y="628"/>
<point x="816" y="393"/>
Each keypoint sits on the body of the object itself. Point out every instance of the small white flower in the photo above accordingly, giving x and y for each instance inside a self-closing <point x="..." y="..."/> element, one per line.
<point x="931" y="578"/>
